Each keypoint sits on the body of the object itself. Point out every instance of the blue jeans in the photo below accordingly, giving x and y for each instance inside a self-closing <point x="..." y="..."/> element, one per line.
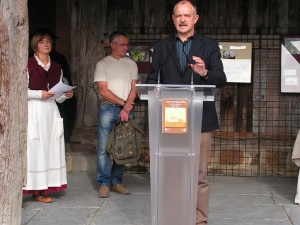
<point x="107" y="117"/>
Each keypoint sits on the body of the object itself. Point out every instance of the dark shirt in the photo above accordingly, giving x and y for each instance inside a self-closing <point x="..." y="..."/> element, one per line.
<point x="170" y="73"/>
<point x="183" y="50"/>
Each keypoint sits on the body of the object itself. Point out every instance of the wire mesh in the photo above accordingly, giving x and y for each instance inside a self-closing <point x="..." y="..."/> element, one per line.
<point x="258" y="123"/>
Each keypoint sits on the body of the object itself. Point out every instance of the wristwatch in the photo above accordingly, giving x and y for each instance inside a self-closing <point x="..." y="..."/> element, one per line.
<point x="124" y="103"/>
<point x="206" y="75"/>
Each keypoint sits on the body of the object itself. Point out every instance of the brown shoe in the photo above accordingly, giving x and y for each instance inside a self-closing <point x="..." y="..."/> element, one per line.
<point x="103" y="192"/>
<point x="41" y="198"/>
<point x="120" y="189"/>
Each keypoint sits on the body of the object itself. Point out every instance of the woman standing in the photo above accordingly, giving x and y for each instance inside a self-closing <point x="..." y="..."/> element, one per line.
<point x="46" y="164"/>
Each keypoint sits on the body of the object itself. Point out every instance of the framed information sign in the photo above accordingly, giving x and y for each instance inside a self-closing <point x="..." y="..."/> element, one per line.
<point x="174" y="116"/>
<point x="290" y="64"/>
<point x="141" y="53"/>
<point x="236" y="58"/>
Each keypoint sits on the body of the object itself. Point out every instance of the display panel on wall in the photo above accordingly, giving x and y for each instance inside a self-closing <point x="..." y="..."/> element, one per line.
<point x="141" y="53"/>
<point x="290" y="64"/>
<point x="236" y="58"/>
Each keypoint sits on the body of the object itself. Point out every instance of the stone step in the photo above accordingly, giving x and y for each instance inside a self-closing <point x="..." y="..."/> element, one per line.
<point x="81" y="157"/>
<point x="81" y="153"/>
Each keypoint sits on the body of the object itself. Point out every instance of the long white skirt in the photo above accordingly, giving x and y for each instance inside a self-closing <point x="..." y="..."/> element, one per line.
<point x="46" y="163"/>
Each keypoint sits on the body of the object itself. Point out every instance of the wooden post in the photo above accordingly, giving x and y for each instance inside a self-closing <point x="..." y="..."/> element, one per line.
<point x="13" y="107"/>
<point x="88" y="21"/>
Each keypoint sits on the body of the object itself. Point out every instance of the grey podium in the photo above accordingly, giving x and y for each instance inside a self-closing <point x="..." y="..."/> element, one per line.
<point x="175" y="118"/>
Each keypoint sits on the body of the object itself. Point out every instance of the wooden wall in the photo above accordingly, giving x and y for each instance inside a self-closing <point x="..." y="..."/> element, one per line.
<point x="258" y="122"/>
<point x="83" y="28"/>
<point x="93" y="20"/>
<point x="55" y="16"/>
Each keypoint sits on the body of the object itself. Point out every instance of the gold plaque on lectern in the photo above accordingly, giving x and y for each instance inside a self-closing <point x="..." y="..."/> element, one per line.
<point x="174" y="116"/>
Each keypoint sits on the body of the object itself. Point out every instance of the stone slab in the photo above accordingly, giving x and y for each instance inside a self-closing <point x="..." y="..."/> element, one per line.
<point x="233" y="201"/>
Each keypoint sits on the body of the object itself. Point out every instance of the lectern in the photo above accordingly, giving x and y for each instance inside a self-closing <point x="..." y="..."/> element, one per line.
<point x="175" y="118"/>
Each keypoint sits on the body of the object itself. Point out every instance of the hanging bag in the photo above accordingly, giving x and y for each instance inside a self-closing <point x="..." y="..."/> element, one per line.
<point x="124" y="142"/>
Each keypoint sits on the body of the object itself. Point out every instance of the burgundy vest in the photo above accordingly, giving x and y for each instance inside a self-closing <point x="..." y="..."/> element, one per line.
<point x="39" y="78"/>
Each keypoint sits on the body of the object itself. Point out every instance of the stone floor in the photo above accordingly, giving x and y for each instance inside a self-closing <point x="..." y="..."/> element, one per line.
<point x="233" y="201"/>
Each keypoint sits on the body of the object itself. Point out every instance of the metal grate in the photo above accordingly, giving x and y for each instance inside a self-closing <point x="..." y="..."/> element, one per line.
<point x="258" y="124"/>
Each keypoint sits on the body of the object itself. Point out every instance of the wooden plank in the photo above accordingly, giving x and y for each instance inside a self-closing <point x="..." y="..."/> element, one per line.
<point x="13" y="107"/>
<point x="293" y="17"/>
<point x="87" y="35"/>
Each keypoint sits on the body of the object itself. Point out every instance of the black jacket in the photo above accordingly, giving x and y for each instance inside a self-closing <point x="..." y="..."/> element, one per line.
<point x="205" y="48"/>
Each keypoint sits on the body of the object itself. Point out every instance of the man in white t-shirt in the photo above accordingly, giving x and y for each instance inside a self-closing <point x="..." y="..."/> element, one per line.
<point x="115" y="76"/>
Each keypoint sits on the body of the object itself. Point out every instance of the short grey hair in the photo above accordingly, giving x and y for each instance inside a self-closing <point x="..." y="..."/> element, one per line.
<point x="185" y="2"/>
<point x="115" y="35"/>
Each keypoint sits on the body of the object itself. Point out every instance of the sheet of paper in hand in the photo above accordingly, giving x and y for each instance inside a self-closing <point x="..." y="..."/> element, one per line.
<point x="60" y="89"/>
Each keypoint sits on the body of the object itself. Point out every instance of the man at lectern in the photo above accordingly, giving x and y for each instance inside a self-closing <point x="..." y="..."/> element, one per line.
<point x="188" y="57"/>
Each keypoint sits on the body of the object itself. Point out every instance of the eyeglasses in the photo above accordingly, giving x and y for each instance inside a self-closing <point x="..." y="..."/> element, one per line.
<point x="122" y="45"/>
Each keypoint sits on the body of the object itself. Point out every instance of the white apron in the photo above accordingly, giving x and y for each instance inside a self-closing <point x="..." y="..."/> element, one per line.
<point x="46" y="164"/>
